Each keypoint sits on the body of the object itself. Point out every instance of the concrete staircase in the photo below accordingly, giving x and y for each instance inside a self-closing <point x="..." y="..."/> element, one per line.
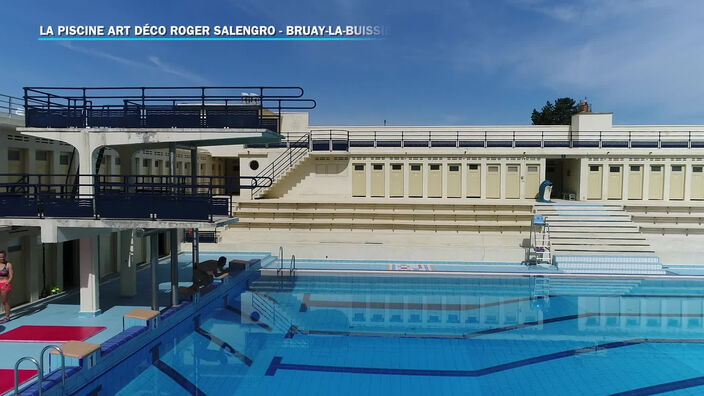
<point x="589" y="238"/>
<point x="282" y="177"/>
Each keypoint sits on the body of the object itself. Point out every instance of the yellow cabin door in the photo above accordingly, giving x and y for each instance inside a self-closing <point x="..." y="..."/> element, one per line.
<point x="454" y="181"/>
<point x="532" y="180"/>
<point x="396" y="180"/>
<point x="378" y="180"/>
<point x="435" y="181"/>
<point x="415" y="180"/>
<point x="698" y="182"/>
<point x="657" y="179"/>
<point x="513" y="181"/>
<point x="615" y="182"/>
<point x="493" y="181"/>
<point x="359" y="180"/>
<point x="474" y="181"/>
<point x="635" y="182"/>
<point x="594" y="182"/>
<point x="677" y="182"/>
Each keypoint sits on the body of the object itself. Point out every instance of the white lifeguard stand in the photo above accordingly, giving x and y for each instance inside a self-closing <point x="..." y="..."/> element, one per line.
<point x="540" y="248"/>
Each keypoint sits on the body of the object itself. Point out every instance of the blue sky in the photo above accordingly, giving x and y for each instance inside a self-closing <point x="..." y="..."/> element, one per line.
<point x="442" y="62"/>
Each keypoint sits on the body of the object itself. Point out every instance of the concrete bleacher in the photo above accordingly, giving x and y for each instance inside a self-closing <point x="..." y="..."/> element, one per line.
<point x="668" y="218"/>
<point x="358" y="215"/>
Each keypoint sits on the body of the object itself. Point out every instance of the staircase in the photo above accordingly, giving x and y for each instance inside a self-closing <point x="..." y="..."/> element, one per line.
<point x="283" y="165"/>
<point x="597" y="238"/>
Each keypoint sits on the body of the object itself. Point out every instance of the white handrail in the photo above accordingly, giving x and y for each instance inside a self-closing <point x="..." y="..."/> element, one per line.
<point x="292" y="265"/>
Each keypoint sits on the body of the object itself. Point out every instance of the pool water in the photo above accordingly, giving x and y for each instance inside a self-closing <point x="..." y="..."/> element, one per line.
<point x="420" y="335"/>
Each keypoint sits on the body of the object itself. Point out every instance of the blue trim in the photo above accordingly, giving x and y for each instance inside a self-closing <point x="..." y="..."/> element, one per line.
<point x="666" y="387"/>
<point x="89" y="314"/>
<point x="178" y="378"/>
<point x="208" y="38"/>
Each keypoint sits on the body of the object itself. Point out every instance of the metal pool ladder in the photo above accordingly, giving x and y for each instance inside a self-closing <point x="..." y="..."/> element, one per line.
<point x="40" y="369"/>
<point x="291" y="264"/>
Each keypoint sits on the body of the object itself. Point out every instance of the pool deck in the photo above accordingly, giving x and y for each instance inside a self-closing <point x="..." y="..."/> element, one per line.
<point x="64" y="310"/>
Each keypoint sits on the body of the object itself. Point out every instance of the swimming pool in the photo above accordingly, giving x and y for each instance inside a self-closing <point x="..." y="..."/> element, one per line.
<point x="320" y="335"/>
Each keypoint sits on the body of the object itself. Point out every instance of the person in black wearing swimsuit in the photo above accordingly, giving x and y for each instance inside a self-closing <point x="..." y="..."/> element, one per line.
<point x="6" y="275"/>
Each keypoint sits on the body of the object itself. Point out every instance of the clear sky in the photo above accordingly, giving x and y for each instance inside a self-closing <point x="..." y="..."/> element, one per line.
<point x="442" y="62"/>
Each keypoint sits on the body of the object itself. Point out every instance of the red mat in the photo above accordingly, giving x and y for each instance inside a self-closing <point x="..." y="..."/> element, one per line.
<point x="7" y="378"/>
<point x="50" y="333"/>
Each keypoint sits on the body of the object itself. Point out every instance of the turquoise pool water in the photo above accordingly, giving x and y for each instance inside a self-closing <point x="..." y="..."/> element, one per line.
<point x="389" y="335"/>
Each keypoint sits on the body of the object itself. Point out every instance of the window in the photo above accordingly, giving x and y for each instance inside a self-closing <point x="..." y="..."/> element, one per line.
<point x="493" y="168"/>
<point x="512" y="168"/>
<point x="532" y="168"/>
<point x="13" y="155"/>
<point x="473" y="166"/>
<point x="635" y="168"/>
<point x="434" y="167"/>
<point x="378" y="167"/>
<point x="253" y="165"/>
<point x="168" y="164"/>
<point x="614" y="169"/>
<point x="415" y="168"/>
<point x="697" y="169"/>
<point x="593" y="168"/>
<point x="157" y="163"/>
<point x="117" y="161"/>
<point x="396" y="166"/>
<point x="359" y="167"/>
<point x="145" y="163"/>
<point x="677" y="168"/>
<point x="454" y="168"/>
<point x="656" y="168"/>
<point x="41" y="155"/>
<point x="63" y="159"/>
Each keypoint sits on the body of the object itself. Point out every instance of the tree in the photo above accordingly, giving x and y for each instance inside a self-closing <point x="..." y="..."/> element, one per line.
<point x="559" y="113"/>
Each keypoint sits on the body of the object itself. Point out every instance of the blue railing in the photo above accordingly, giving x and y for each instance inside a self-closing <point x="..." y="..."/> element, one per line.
<point x="161" y="107"/>
<point x="343" y="140"/>
<point x="120" y="196"/>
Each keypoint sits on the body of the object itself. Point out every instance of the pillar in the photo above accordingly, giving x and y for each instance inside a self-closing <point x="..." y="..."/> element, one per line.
<point x="154" y="260"/>
<point x="59" y="257"/>
<point x="88" y="262"/>
<point x="194" y="169"/>
<point x="173" y="241"/>
<point x="86" y="168"/>
<point x="126" y="263"/>
<point x="195" y="251"/>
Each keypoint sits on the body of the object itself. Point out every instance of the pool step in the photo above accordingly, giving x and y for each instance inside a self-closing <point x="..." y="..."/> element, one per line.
<point x="597" y="238"/>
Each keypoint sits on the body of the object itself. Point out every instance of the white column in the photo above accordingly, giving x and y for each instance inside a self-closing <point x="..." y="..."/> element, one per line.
<point x="86" y="169"/>
<point x="126" y="264"/>
<point x="88" y="261"/>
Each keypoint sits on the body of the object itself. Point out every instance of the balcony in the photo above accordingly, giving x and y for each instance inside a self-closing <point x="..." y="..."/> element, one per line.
<point x="161" y="107"/>
<point x="141" y="197"/>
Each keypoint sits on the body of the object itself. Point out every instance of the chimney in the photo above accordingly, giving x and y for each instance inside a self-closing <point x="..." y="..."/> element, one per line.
<point x="584" y="107"/>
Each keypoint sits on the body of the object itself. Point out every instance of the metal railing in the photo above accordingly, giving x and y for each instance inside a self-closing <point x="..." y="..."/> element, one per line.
<point x="343" y="140"/>
<point x="120" y="196"/>
<point x="284" y="162"/>
<point x="40" y="373"/>
<point x="11" y="106"/>
<point x="161" y="107"/>
<point x="292" y="265"/>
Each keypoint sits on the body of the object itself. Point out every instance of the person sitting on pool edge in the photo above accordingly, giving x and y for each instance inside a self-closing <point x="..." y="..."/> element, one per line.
<point x="203" y="275"/>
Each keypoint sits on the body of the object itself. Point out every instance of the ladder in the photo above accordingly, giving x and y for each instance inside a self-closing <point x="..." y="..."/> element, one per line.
<point x="40" y="369"/>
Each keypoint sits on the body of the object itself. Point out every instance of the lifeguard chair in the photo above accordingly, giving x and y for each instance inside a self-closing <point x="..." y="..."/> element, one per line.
<point x="540" y="248"/>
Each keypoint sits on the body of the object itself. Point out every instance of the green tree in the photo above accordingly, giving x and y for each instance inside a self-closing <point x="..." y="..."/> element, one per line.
<point x="558" y="113"/>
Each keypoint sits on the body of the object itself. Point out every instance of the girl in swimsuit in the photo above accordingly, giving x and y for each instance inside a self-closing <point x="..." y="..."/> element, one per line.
<point x="6" y="275"/>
